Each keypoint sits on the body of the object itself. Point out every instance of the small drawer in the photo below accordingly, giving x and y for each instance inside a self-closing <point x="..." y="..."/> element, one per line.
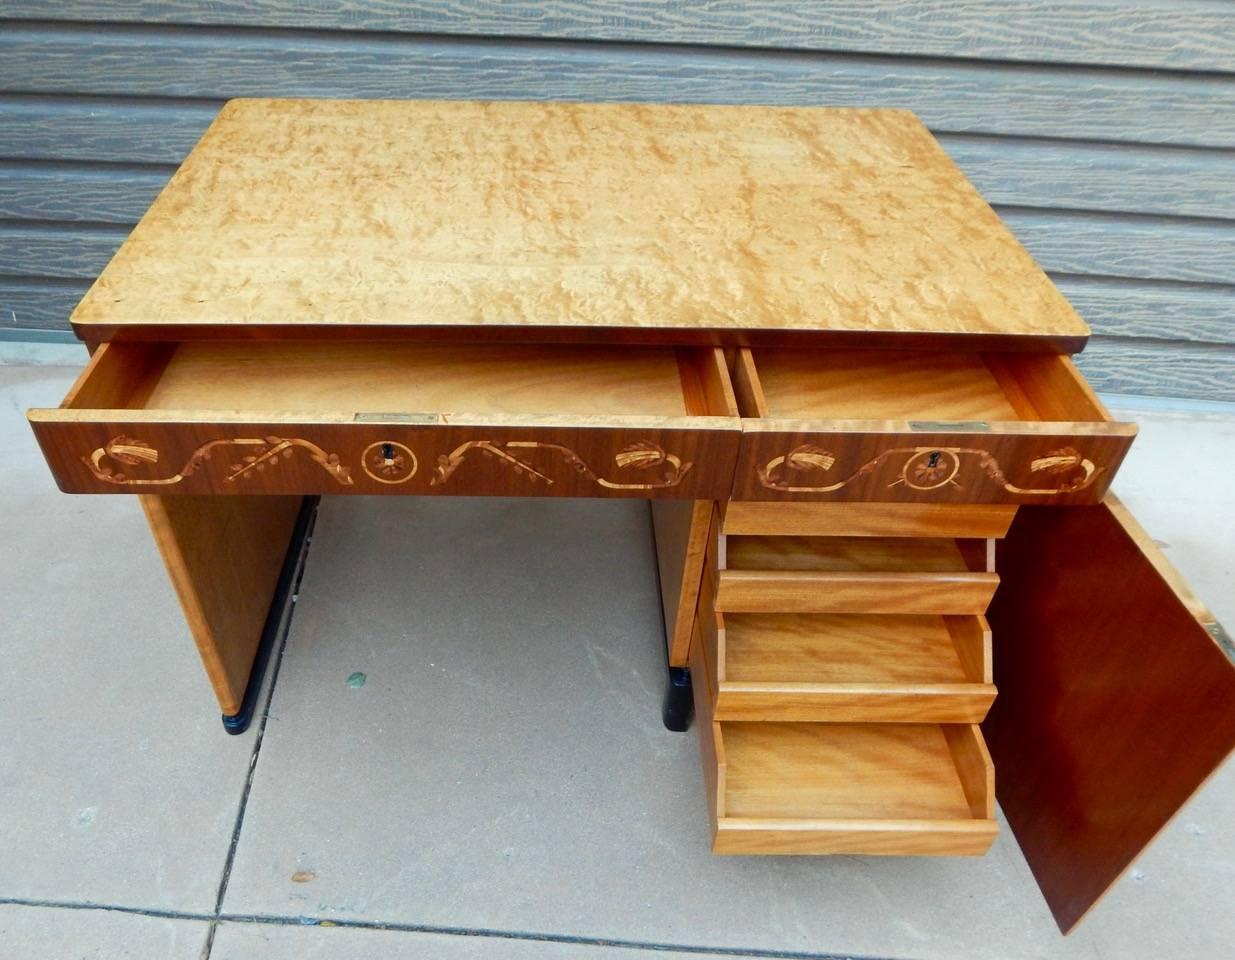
<point x="356" y="417"/>
<point x="930" y="427"/>
<point x="908" y="790"/>
<point x="910" y="575"/>
<point x="852" y="788"/>
<point x="852" y="667"/>
<point x="814" y="518"/>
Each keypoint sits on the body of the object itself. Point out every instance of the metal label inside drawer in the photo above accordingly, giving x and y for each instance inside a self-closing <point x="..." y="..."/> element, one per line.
<point x="949" y="426"/>
<point x="397" y="418"/>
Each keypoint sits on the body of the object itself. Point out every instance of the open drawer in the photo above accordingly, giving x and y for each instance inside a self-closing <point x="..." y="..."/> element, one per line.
<point x="355" y="417"/>
<point x="852" y="667"/>
<point x="909" y="575"/>
<point x="942" y="427"/>
<point x="855" y="788"/>
<point x="852" y="788"/>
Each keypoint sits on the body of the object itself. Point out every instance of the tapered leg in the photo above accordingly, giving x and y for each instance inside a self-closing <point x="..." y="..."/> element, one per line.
<point x="225" y="555"/>
<point x="681" y="528"/>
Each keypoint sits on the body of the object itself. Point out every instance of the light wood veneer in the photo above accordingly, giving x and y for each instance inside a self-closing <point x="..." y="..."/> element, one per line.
<point x="671" y="223"/>
<point x="495" y="419"/>
<point x="935" y="427"/>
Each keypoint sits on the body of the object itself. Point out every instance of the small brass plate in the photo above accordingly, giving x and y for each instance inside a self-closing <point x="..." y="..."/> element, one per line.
<point x="949" y="426"/>
<point x="397" y="418"/>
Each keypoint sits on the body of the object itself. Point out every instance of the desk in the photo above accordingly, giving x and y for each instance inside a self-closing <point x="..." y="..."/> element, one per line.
<point x="892" y="574"/>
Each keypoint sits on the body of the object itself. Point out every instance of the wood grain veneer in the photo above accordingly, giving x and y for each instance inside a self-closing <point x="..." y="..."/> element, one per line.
<point x="880" y="385"/>
<point x="804" y="518"/>
<point x="1116" y="696"/>
<point x="912" y="426"/>
<point x="692" y="222"/>
<point x="846" y="554"/>
<point x="416" y="378"/>
<point x="280" y="417"/>
<point x="853" y="667"/>
<point x="681" y="529"/>
<point x="852" y="575"/>
<point x="853" y="788"/>
<point x="224" y="556"/>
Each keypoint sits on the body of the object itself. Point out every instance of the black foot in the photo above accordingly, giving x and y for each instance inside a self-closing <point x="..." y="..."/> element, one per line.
<point x="679" y="703"/>
<point x="236" y="723"/>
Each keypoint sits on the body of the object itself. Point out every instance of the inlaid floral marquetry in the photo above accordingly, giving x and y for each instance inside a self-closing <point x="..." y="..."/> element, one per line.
<point x="509" y="466"/>
<point x="925" y="469"/>
<point x="256" y="455"/>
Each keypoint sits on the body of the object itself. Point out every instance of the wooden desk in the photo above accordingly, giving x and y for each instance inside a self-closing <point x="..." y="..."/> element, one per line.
<point x="889" y="562"/>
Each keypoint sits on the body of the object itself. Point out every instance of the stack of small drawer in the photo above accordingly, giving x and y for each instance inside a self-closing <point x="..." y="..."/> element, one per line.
<point x="840" y="677"/>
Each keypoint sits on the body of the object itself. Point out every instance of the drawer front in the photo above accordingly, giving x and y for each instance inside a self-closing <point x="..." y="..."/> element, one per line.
<point x="491" y="419"/>
<point x="776" y="591"/>
<point x="807" y="519"/>
<point x="890" y="575"/>
<point x="893" y="838"/>
<point x="928" y="465"/>
<point x="919" y="427"/>
<point x="144" y="455"/>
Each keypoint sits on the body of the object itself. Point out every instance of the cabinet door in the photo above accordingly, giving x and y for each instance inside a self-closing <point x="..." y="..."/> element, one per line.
<point x="1116" y="696"/>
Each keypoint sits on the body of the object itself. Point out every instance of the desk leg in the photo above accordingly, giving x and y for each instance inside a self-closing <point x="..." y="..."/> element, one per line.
<point x="228" y="557"/>
<point x="681" y="529"/>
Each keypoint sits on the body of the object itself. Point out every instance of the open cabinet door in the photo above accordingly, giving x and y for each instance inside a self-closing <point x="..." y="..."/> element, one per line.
<point x="1116" y="696"/>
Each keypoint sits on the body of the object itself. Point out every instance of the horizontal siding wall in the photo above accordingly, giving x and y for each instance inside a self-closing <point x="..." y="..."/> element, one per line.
<point x="1103" y="132"/>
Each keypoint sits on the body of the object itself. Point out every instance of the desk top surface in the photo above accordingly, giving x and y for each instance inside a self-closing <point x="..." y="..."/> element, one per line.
<point x="695" y="223"/>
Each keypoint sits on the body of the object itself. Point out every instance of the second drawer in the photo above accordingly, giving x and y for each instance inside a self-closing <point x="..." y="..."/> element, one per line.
<point x="922" y="575"/>
<point x="851" y="667"/>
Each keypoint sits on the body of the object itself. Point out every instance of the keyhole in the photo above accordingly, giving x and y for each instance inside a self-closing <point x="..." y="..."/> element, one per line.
<point x="388" y="452"/>
<point x="933" y="459"/>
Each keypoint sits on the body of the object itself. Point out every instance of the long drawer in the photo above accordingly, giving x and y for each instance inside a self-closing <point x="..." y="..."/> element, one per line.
<point x="356" y="417"/>
<point x="933" y="427"/>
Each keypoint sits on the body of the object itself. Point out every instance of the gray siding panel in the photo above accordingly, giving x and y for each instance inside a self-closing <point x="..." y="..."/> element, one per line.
<point x="948" y="95"/>
<point x="1103" y="131"/>
<point x="1132" y="308"/>
<point x="137" y="131"/>
<point x="1176" y="34"/>
<point x="41" y="305"/>
<point x="1116" y="177"/>
<point x="1119" y="246"/>
<point x="91" y="193"/>
<point x="64" y="251"/>
<point x="1156" y="370"/>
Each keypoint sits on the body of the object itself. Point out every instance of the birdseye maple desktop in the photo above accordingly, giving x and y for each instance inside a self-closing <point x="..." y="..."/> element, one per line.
<point x="890" y="567"/>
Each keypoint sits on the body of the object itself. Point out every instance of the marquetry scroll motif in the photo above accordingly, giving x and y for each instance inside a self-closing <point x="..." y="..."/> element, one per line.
<point x="640" y="456"/>
<point x="924" y="469"/>
<point x="259" y="455"/>
<point x="448" y="463"/>
<point x="389" y="462"/>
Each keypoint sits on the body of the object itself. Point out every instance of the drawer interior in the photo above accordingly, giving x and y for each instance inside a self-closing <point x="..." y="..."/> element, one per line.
<point x="854" y="771"/>
<point x="855" y="554"/>
<point x="407" y="378"/>
<point x="831" y="648"/>
<point x="947" y="386"/>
